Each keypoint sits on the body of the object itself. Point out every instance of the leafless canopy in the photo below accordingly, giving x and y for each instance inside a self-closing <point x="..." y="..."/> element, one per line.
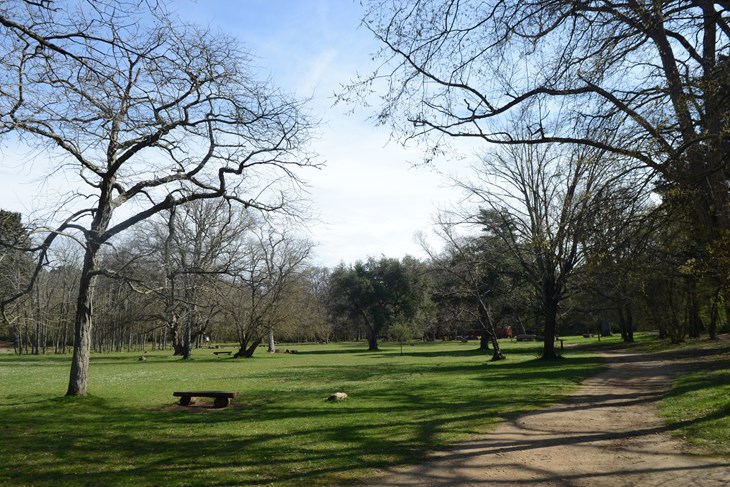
<point x="647" y="83"/>
<point x="652" y="72"/>
<point x="145" y="111"/>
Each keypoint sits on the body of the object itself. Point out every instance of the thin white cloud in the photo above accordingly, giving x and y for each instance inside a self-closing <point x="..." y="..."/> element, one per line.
<point x="320" y="72"/>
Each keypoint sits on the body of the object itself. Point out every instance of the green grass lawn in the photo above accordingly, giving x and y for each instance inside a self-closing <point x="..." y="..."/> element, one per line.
<point x="280" y="431"/>
<point x="697" y="408"/>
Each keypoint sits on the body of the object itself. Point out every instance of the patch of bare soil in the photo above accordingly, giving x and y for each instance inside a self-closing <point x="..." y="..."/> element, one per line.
<point x="608" y="433"/>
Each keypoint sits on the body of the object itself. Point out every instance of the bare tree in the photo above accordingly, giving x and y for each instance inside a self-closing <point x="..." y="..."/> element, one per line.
<point x="543" y="204"/>
<point x="255" y="300"/>
<point x="197" y="247"/>
<point x="309" y="298"/>
<point x="481" y="277"/>
<point x="147" y="114"/>
<point x="655" y="74"/>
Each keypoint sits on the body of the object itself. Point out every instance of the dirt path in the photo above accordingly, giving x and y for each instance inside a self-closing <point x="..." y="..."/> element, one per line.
<point x="607" y="434"/>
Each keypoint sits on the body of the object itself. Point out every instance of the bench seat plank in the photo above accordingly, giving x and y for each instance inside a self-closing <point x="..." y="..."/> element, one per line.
<point x="230" y="395"/>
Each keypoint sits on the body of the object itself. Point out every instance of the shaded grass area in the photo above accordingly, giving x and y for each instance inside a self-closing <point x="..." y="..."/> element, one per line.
<point x="280" y="430"/>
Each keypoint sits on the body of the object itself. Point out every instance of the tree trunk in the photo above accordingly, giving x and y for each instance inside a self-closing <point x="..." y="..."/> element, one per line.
<point x="497" y="353"/>
<point x="490" y="333"/>
<point x="658" y="319"/>
<point x="626" y="323"/>
<point x="245" y="350"/>
<point x="676" y="329"/>
<point x="187" y="345"/>
<point x="372" y="340"/>
<point x="604" y="327"/>
<point x="551" y="300"/>
<point x="551" y="315"/>
<point x="78" y="379"/>
<point x="26" y="332"/>
<point x="694" y="320"/>
<point x="65" y="335"/>
<point x="484" y="341"/>
<point x="714" y="315"/>
<point x="250" y="350"/>
<point x="178" y="347"/>
<point x="187" y="328"/>
<point x="18" y="342"/>
<point x="272" y="342"/>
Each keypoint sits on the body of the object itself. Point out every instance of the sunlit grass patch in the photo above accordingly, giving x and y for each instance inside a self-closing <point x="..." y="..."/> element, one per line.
<point x="698" y="409"/>
<point x="280" y="430"/>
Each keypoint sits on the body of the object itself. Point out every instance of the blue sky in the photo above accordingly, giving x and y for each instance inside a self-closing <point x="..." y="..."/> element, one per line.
<point x="368" y="198"/>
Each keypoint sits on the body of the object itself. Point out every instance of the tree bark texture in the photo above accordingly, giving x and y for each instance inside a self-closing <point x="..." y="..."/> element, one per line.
<point x="372" y="340"/>
<point x="79" y="375"/>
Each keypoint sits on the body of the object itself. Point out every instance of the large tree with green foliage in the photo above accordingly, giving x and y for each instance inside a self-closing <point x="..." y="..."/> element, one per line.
<point x="377" y="294"/>
<point x="15" y="263"/>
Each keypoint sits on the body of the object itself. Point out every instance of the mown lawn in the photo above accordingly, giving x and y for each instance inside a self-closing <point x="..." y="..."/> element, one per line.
<point x="697" y="408"/>
<point x="280" y="431"/>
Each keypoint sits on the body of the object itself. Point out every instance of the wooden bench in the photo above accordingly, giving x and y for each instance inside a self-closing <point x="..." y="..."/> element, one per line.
<point x="221" y="399"/>
<point x="222" y="353"/>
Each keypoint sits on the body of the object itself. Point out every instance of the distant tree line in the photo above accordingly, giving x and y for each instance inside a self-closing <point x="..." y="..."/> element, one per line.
<point x="208" y="273"/>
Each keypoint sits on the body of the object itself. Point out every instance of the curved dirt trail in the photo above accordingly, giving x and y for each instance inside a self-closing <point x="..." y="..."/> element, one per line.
<point x="607" y="434"/>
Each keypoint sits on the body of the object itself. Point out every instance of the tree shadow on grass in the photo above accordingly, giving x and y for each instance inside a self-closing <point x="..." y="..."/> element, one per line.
<point x="35" y="360"/>
<point x="466" y="352"/>
<point x="339" y="351"/>
<point x="92" y="440"/>
<point x="702" y="382"/>
<point x="394" y="416"/>
<point x="89" y="441"/>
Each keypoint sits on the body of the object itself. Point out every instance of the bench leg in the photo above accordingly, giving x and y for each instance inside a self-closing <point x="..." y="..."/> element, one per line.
<point x="221" y="402"/>
<point x="185" y="400"/>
